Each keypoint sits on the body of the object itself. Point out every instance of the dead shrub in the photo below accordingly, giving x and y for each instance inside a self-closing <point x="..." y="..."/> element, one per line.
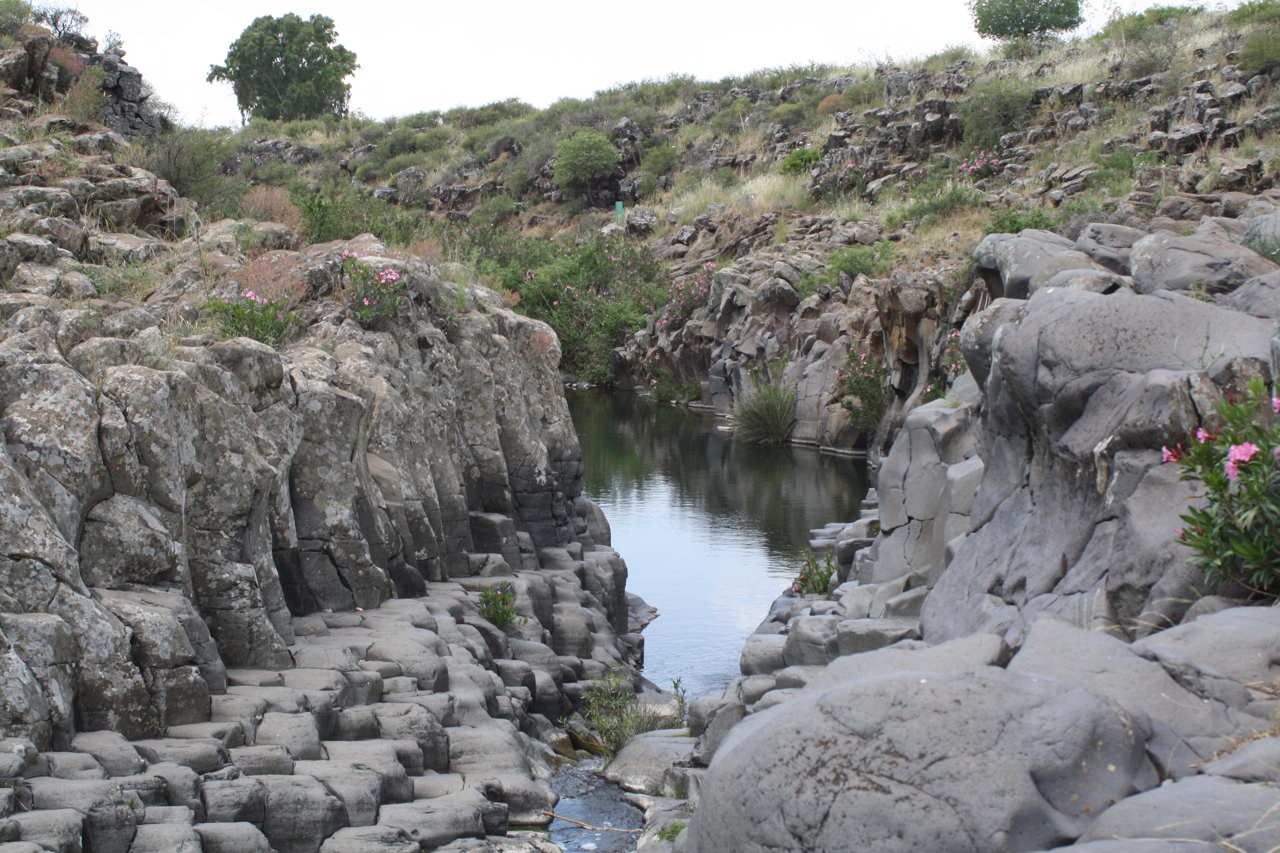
<point x="272" y="204"/>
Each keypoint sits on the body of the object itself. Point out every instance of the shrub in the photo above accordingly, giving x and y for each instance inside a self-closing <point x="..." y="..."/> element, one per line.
<point x="613" y="713"/>
<point x="687" y="295"/>
<point x="830" y="104"/>
<point x="583" y="158"/>
<point x="64" y="22"/>
<point x="1261" y="52"/>
<point x="1012" y="221"/>
<point x="252" y="315"/>
<point x="863" y="388"/>
<point x="1010" y="19"/>
<point x="13" y="14"/>
<point x="935" y="205"/>
<point x="374" y="297"/>
<point x="787" y="115"/>
<point x="68" y="64"/>
<point x="1235" y="536"/>
<point x="347" y="215"/>
<point x="128" y="280"/>
<point x="1135" y="25"/>
<point x="1154" y="52"/>
<point x="766" y="413"/>
<point x="1255" y="12"/>
<point x="660" y="159"/>
<point x="995" y="108"/>
<point x="84" y="98"/>
<point x="466" y="118"/>
<point x="800" y="162"/>
<point x="813" y="578"/>
<point x="272" y="204"/>
<point x="191" y="160"/>
<point x="495" y="210"/>
<point x="668" y="388"/>
<point x="865" y="260"/>
<point x="498" y="606"/>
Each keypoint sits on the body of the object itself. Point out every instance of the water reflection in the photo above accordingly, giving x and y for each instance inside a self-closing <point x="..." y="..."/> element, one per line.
<point x="711" y="528"/>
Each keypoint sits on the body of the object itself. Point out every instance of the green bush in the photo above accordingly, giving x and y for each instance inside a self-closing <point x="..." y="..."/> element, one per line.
<point x="866" y="260"/>
<point x="191" y="160"/>
<point x="13" y="14"/>
<point x="788" y="115"/>
<point x="1012" y="221"/>
<point x="374" y="297"/>
<point x="814" y="578"/>
<point x="862" y="387"/>
<point x="1235" y="535"/>
<point x="594" y="294"/>
<point x="584" y="158"/>
<point x="252" y="316"/>
<point x="1261" y="52"/>
<point x="1255" y="12"/>
<point x="348" y="215"/>
<point x="935" y="205"/>
<point x="498" y="606"/>
<point x="766" y="413"/>
<point x="660" y="159"/>
<point x="1135" y="25"/>
<point x="613" y="713"/>
<point x="800" y="162"/>
<point x="1011" y="19"/>
<point x="466" y="118"/>
<point x="995" y="108"/>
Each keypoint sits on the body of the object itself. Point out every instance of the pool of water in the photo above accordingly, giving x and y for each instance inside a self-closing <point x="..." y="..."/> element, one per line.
<point x="712" y="529"/>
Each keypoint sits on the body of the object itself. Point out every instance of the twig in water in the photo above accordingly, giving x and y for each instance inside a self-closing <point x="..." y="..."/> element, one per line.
<point x="589" y="826"/>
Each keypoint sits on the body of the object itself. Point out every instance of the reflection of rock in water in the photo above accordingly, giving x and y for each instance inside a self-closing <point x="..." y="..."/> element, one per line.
<point x="627" y="440"/>
<point x="585" y="796"/>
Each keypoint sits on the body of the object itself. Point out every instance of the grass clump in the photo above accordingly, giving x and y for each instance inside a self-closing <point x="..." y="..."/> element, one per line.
<point x="671" y="830"/>
<point x="613" y="712"/>
<point x="1012" y="221"/>
<point x="767" y="413"/>
<point x="1261" y="52"/>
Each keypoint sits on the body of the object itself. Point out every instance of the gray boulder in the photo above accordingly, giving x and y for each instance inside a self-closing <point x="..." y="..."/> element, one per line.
<point x="641" y="764"/>
<point x="1187" y="729"/>
<point x="1211" y="264"/>
<point x="1017" y="258"/>
<point x="888" y="764"/>
<point x="1210" y="809"/>
<point x="1109" y="245"/>
<point x="301" y="813"/>
<point x="232" y="838"/>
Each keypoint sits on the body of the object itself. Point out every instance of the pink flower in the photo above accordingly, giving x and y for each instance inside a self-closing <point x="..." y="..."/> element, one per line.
<point x="1168" y="455"/>
<point x="367" y="302"/>
<point x="1275" y="405"/>
<point x="555" y="303"/>
<point x="1242" y="452"/>
<point x="1202" y="436"/>
<point x="1233" y="470"/>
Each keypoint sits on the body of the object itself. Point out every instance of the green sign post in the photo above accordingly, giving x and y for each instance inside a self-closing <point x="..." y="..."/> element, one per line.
<point x="618" y="209"/>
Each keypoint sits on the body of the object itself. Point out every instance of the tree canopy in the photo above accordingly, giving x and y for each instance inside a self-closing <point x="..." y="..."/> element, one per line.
<point x="286" y="68"/>
<point x="584" y="157"/>
<point x="1012" y="19"/>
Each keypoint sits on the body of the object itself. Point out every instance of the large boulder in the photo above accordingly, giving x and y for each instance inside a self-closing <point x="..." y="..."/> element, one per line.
<point x="984" y="760"/>
<point x="1210" y="264"/>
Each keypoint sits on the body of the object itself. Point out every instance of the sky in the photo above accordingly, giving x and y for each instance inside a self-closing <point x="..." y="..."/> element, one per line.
<point x="416" y="57"/>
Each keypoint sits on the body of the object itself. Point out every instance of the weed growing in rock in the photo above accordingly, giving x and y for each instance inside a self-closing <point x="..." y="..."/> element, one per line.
<point x="862" y="387"/>
<point x="951" y="366"/>
<point x="671" y="830"/>
<point x="1012" y="221"/>
<point x="127" y="280"/>
<point x="613" y="712"/>
<point x="498" y="606"/>
<point x="374" y="297"/>
<point x="1235" y="536"/>
<point x="252" y="315"/>
<point x="813" y="578"/>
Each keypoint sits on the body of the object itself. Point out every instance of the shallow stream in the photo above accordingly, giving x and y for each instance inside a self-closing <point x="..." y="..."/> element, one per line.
<point x="712" y="530"/>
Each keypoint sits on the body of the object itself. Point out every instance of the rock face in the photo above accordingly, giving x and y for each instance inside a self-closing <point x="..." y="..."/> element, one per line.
<point x="262" y="567"/>
<point x="1021" y="544"/>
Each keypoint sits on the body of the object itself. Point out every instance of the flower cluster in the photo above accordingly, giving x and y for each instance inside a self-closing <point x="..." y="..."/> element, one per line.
<point x="687" y="295"/>
<point x="909" y="179"/>
<point x="980" y="164"/>
<point x="1234" y="533"/>
<point x="950" y="366"/>
<point x="813" y="578"/>
<point x="374" y="297"/>
<point x="862" y="387"/>
<point x="252" y="315"/>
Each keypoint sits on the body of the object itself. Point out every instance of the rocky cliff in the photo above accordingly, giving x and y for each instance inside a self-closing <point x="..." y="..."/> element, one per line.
<point x="248" y="560"/>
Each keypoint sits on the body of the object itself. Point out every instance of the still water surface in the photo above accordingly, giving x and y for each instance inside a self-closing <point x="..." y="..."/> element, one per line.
<point x="712" y="529"/>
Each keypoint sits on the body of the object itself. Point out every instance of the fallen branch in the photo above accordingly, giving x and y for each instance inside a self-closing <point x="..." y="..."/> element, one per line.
<point x="589" y="826"/>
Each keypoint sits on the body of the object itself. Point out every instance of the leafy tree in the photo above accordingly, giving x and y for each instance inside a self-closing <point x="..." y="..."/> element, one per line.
<point x="583" y="158"/>
<point x="1014" y="19"/>
<point x="287" y="69"/>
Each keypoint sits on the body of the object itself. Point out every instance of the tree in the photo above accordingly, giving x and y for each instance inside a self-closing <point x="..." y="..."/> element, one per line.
<point x="287" y="68"/>
<point x="583" y="158"/>
<point x="1013" y="19"/>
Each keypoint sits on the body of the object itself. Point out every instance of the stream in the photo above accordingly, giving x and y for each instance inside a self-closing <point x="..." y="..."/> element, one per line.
<point x="712" y="530"/>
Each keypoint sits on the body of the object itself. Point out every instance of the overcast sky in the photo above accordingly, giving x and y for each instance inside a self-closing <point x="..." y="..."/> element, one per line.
<point x="418" y="56"/>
